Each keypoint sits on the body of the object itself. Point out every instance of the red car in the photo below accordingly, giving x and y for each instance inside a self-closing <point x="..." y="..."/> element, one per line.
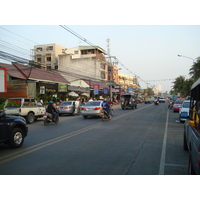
<point x="177" y="105"/>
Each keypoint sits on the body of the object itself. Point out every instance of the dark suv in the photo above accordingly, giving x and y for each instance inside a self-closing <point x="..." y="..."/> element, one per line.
<point x="13" y="130"/>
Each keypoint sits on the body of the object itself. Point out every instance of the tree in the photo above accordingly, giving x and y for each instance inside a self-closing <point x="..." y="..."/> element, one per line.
<point x="195" y="70"/>
<point x="179" y="85"/>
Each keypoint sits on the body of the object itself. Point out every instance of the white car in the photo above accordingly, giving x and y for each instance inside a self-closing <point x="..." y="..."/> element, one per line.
<point x="184" y="110"/>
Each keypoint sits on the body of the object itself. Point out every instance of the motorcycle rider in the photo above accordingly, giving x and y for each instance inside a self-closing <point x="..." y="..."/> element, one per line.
<point x="106" y="107"/>
<point x="51" y="109"/>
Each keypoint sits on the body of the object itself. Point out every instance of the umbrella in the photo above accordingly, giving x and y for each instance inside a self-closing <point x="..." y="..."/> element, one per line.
<point x="85" y="94"/>
<point x="73" y="94"/>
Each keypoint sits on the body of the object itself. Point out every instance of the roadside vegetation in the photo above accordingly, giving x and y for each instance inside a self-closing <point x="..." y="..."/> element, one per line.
<point x="183" y="85"/>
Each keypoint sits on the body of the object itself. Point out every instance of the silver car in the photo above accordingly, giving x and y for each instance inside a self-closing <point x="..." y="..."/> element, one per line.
<point x="92" y="108"/>
<point x="66" y="107"/>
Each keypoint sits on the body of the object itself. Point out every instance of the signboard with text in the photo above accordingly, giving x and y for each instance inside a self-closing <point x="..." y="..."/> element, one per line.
<point x="62" y="87"/>
<point x="96" y="89"/>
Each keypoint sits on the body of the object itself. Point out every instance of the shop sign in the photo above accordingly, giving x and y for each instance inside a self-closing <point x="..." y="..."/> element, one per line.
<point x="62" y="87"/>
<point x="130" y="90"/>
<point x="96" y="89"/>
<point x="42" y="89"/>
<point x="105" y="90"/>
<point x="3" y="81"/>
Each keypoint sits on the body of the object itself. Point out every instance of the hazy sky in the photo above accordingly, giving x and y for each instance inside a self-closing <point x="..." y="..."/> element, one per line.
<point x="149" y="51"/>
<point x="145" y="36"/>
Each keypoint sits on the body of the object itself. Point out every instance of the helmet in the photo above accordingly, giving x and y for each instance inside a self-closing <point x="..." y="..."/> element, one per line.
<point x="50" y="102"/>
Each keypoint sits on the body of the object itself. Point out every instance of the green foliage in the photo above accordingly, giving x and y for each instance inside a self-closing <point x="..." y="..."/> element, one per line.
<point x="2" y="102"/>
<point x="182" y="86"/>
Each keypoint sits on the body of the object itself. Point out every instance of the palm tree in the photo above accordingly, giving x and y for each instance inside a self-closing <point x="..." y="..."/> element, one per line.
<point x="179" y="85"/>
<point x="195" y="70"/>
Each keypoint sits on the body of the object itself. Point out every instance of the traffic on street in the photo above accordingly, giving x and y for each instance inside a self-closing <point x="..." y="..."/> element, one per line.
<point x="147" y="140"/>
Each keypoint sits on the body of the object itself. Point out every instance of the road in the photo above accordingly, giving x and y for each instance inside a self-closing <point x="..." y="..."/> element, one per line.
<point x="144" y="141"/>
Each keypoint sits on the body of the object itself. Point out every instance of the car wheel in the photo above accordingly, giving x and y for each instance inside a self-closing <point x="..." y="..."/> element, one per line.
<point x="30" y="118"/>
<point x="16" y="138"/>
<point x="85" y="117"/>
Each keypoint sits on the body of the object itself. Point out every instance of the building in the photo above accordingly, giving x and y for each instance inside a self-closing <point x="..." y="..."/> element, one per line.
<point x="25" y="81"/>
<point x="46" y="55"/>
<point x="126" y="82"/>
<point x="86" y="62"/>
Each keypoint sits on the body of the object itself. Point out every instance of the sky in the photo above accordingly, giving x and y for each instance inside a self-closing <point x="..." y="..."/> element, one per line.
<point x="148" y="51"/>
<point x="145" y="36"/>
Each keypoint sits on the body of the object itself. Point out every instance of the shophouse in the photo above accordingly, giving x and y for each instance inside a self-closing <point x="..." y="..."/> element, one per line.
<point x="25" y="81"/>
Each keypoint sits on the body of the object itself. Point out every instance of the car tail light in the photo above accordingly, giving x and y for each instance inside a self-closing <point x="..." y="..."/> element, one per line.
<point x="83" y="109"/>
<point x="97" y="108"/>
<point x="67" y="107"/>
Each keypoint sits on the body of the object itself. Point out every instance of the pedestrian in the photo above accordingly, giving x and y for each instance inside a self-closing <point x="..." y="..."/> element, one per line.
<point x="77" y="106"/>
<point x="90" y="99"/>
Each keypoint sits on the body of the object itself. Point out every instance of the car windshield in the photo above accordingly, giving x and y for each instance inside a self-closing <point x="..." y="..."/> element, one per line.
<point x="66" y="103"/>
<point x="179" y="102"/>
<point x="93" y="103"/>
<point x="186" y="105"/>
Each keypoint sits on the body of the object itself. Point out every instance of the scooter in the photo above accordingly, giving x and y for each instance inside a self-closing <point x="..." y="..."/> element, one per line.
<point x="48" y="118"/>
<point x="104" y="116"/>
<point x="156" y="103"/>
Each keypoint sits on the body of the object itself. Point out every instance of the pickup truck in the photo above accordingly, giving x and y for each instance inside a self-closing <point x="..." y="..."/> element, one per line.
<point x="28" y="108"/>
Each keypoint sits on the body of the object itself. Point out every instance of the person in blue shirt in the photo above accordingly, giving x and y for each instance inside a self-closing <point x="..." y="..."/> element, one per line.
<point x="106" y="107"/>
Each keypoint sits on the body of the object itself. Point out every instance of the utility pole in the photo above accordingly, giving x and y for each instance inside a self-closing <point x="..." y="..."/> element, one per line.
<point x="110" y="63"/>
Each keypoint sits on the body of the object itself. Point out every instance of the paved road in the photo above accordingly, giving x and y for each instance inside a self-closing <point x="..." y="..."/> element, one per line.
<point x="144" y="141"/>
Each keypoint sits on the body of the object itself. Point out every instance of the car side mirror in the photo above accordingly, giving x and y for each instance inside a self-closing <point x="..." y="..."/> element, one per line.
<point x="2" y="114"/>
<point x="191" y="123"/>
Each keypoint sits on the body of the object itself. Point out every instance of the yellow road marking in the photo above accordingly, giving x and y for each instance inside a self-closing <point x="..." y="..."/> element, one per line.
<point x="36" y="147"/>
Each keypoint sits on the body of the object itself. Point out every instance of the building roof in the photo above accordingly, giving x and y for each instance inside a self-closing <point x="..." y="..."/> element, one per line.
<point x="26" y="72"/>
<point x="100" y="84"/>
<point x="92" y="47"/>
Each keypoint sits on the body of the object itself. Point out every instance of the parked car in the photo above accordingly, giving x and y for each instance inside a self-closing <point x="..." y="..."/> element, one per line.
<point x="91" y="108"/>
<point x="66" y="107"/>
<point x="13" y="130"/>
<point x="28" y="108"/>
<point x="177" y="105"/>
<point x="184" y="110"/>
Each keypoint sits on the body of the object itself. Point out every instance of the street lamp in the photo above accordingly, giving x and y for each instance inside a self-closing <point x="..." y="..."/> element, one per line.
<point x="188" y="57"/>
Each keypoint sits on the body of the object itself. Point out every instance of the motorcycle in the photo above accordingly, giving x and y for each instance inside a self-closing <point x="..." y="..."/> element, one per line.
<point x="48" y="118"/>
<point x="105" y="116"/>
<point x="156" y="102"/>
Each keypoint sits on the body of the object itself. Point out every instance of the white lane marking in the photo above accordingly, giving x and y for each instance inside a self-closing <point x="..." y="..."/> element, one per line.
<point x="163" y="154"/>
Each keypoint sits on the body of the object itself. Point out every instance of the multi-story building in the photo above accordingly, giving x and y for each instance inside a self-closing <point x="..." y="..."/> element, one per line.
<point x="86" y="62"/>
<point x="127" y="81"/>
<point x="46" y="55"/>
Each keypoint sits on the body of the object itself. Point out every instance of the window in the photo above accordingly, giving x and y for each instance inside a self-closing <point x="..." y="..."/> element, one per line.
<point x="75" y="52"/>
<point x="39" y="59"/>
<point x="49" y="48"/>
<point x="39" y="49"/>
<point x="48" y="67"/>
<point x="102" y="66"/>
<point x="49" y="59"/>
<point x="103" y="76"/>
